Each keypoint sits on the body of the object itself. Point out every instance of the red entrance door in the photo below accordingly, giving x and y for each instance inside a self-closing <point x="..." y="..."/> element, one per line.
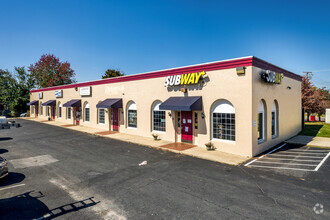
<point x="77" y="115"/>
<point x="115" y="119"/>
<point x="186" y="127"/>
<point x="53" y="112"/>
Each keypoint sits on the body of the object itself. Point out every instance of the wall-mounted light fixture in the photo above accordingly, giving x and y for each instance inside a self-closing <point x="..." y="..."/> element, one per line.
<point x="203" y="115"/>
<point x="76" y="88"/>
<point x="184" y="90"/>
<point x="240" y="70"/>
<point x="289" y="87"/>
<point x="169" y="114"/>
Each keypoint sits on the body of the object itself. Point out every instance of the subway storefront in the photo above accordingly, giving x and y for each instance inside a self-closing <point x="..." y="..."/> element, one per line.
<point x="244" y="106"/>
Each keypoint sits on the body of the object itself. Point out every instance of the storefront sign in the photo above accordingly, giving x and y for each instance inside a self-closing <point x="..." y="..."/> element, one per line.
<point x="272" y="77"/>
<point x="58" y="93"/>
<point x="40" y="95"/>
<point x="184" y="79"/>
<point x="85" y="91"/>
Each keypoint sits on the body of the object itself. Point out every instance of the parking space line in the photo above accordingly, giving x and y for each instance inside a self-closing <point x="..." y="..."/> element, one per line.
<point x="285" y="168"/>
<point x="265" y="154"/>
<point x="295" y="156"/>
<point x="312" y="165"/>
<point x="320" y="164"/>
<point x="325" y="151"/>
<point x="274" y="158"/>
<point x="9" y="187"/>
<point x="288" y="152"/>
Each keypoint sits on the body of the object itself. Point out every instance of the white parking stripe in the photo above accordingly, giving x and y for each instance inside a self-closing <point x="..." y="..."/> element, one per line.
<point x="288" y="152"/>
<point x="325" y="151"/>
<point x="312" y="165"/>
<point x="273" y="158"/>
<point x="9" y="187"/>
<point x="320" y="164"/>
<point x="285" y="168"/>
<point x="289" y="158"/>
<point x="281" y="155"/>
<point x="265" y="154"/>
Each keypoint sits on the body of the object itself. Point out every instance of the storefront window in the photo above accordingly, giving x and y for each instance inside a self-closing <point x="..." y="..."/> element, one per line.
<point x="101" y="116"/>
<point x="159" y="123"/>
<point x="196" y="120"/>
<point x="41" y="108"/>
<point x="179" y="119"/>
<point x="86" y="111"/>
<point x="32" y="109"/>
<point x="223" y="121"/>
<point x="69" y="113"/>
<point x="47" y="110"/>
<point x="274" y="119"/>
<point x="261" y="121"/>
<point x="132" y="115"/>
<point x="59" y="110"/>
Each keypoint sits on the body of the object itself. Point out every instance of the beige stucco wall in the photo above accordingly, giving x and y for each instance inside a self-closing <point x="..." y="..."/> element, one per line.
<point x="289" y="107"/>
<point x="243" y="91"/>
<point x="222" y="84"/>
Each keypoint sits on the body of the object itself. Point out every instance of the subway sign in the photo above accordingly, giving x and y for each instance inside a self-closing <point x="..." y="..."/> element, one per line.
<point x="184" y="79"/>
<point x="272" y="77"/>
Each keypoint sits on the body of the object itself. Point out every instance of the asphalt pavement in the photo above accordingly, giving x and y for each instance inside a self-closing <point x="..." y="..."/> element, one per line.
<point x="64" y="174"/>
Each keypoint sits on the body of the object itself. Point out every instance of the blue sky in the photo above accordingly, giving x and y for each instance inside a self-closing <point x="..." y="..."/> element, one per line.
<point x="142" y="36"/>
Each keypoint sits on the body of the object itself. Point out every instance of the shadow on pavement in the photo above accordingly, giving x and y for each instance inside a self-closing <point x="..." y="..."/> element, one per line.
<point x="23" y="206"/>
<point x="12" y="178"/>
<point x="28" y="206"/>
<point x="2" y="151"/>
<point x="5" y="138"/>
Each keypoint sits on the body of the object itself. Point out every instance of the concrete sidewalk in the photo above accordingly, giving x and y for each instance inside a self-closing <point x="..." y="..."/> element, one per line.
<point x="310" y="141"/>
<point x="199" y="152"/>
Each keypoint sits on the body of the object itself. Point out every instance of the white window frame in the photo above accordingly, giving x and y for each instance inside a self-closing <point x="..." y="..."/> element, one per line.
<point x="274" y="109"/>
<point x="222" y="106"/>
<point x="132" y="106"/>
<point x="67" y="113"/>
<point x="59" y="110"/>
<point x="98" y="116"/>
<point x="86" y="106"/>
<point x="156" y="108"/>
<point x="261" y="109"/>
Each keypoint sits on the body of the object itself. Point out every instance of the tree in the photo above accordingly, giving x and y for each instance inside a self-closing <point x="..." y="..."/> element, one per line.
<point x="321" y="101"/>
<point x="15" y="90"/>
<point x="308" y="96"/>
<point x="49" y="71"/>
<point x="109" y="73"/>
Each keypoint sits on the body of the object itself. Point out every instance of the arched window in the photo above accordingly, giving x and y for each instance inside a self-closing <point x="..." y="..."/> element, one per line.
<point x="68" y="113"/>
<point x="158" y="118"/>
<point x="223" y="120"/>
<point x="86" y="111"/>
<point x="59" y="110"/>
<point x="41" y="109"/>
<point x="132" y="115"/>
<point x="261" y="121"/>
<point x="274" y="119"/>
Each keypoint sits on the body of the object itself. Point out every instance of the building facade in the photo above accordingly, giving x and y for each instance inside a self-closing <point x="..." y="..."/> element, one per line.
<point x="244" y="106"/>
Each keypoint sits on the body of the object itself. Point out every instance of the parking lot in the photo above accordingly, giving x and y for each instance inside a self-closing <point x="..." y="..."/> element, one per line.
<point x="57" y="172"/>
<point x="292" y="157"/>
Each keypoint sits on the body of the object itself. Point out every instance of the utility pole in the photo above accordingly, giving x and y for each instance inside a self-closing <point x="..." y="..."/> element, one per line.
<point x="307" y="74"/>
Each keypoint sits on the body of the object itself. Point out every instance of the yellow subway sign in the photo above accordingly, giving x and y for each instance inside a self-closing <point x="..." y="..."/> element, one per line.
<point x="184" y="79"/>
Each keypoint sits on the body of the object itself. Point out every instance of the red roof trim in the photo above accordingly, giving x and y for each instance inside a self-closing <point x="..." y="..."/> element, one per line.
<point x="249" y="61"/>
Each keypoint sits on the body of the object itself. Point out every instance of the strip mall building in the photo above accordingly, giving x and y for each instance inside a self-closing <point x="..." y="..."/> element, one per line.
<point x="244" y="106"/>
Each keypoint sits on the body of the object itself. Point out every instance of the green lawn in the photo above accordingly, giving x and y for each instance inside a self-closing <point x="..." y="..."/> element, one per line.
<point x="318" y="129"/>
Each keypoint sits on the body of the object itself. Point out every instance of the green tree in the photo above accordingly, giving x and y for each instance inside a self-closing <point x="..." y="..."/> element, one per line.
<point x="109" y="73"/>
<point x="15" y="90"/>
<point x="308" y="96"/>
<point x="49" y="71"/>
